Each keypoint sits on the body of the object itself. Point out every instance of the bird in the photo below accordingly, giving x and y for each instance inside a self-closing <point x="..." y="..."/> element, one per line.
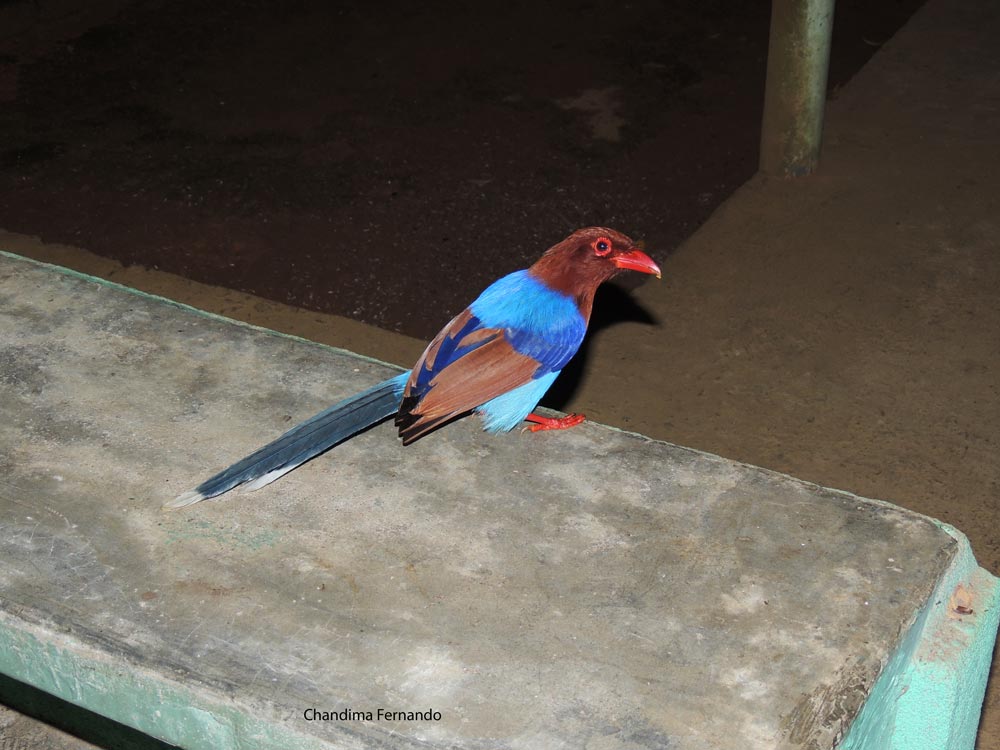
<point x="496" y="358"/>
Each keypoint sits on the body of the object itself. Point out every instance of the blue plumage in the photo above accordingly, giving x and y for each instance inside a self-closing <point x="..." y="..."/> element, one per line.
<point x="539" y="322"/>
<point x="497" y="358"/>
<point x="521" y="311"/>
<point x="507" y="411"/>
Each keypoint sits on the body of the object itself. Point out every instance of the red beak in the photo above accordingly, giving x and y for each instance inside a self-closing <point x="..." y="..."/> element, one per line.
<point x="637" y="260"/>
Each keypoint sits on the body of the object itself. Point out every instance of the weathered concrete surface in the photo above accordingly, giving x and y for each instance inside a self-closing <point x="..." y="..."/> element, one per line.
<point x="588" y="588"/>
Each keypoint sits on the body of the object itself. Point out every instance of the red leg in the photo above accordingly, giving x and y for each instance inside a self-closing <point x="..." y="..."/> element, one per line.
<point x="553" y="423"/>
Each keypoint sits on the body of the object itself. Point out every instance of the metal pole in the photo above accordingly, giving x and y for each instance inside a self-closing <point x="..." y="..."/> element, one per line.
<point x="798" y="58"/>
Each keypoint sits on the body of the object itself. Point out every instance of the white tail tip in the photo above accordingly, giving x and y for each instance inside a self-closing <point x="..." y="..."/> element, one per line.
<point x="188" y="498"/>
<point x="266" y="479"/>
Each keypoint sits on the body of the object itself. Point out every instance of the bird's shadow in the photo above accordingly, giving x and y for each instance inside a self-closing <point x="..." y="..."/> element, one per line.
<point x="612" y="305"/>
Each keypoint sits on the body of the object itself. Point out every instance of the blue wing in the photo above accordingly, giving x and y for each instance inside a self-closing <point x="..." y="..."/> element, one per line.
<point x="499" y="356"/>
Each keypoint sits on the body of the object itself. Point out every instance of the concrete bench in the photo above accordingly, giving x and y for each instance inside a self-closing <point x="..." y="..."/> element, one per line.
<point x="591" y="588"/>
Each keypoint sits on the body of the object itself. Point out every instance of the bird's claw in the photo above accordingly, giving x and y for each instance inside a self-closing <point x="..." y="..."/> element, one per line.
<point x="553" y="423"/>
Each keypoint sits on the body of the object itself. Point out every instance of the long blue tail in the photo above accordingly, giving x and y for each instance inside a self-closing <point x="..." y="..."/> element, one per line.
<point x="302" y="442"/>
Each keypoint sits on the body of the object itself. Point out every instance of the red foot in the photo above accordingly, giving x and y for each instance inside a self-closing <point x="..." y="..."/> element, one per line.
<point x="552" y="423"/>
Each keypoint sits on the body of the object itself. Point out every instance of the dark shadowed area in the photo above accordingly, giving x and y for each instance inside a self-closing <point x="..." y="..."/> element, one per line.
<point x="381" y="161"/>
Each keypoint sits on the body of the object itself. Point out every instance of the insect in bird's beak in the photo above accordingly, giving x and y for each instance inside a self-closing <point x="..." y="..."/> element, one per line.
<point x="637" y="260"/>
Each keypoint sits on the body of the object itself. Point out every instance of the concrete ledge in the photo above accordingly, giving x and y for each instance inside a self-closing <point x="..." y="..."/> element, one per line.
<point x="592" y="588"/>
<point x="930" y="695"/>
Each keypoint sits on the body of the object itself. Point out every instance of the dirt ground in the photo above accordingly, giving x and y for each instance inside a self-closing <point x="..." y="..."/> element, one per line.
<point x="385" y="164"/>
<point x="381" y="161"/>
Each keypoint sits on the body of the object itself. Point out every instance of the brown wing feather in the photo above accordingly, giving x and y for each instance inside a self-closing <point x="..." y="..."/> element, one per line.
<point x="430" y="353"/>
<point x="481" y="375"/>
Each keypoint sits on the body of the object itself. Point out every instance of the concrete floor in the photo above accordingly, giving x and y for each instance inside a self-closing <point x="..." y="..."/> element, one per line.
<point x="884" y="381"/>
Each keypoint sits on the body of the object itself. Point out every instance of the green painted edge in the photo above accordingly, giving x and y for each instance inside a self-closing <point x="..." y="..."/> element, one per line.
<point x="130" y="694"/>
<point x="930" y="694"/>
<point x="189" y="308"/>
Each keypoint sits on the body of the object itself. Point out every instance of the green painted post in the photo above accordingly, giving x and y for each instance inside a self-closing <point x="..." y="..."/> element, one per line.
<point x="798" y="59"/>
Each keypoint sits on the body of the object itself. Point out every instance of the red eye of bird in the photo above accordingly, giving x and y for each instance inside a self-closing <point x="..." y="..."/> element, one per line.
<point x="602" y="246"/>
